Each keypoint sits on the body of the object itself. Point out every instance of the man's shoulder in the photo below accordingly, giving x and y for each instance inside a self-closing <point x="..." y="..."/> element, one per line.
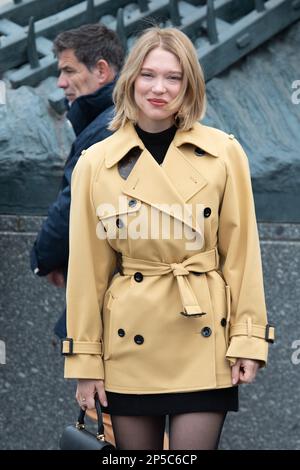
<point x="97" y="130"/>
<point x="94" y="133"/>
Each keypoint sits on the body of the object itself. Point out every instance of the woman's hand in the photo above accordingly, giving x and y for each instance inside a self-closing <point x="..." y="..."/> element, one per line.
<point x="85" y="393"/>
<point x="244" y="371"/>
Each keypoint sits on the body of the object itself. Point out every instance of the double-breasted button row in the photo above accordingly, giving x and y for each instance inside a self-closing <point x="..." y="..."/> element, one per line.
<point x="138" y="339"/>
<point x="119" y="222"/>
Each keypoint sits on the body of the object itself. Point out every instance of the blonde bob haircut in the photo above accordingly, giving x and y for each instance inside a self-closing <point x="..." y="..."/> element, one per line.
<point x="190" y="104"/>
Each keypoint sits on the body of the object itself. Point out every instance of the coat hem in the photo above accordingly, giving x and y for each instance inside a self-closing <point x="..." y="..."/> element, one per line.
<point x="125" y="390"/>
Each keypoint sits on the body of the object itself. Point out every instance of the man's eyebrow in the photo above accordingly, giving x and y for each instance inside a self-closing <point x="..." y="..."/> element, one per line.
<point x="64" y="67"/>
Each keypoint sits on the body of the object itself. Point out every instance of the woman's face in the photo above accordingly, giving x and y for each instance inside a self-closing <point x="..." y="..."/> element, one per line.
<point x="157" y="84"/>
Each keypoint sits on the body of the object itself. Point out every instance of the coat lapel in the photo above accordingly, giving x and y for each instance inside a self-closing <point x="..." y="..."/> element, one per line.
<point x="185" y="177"/>
<point x="150" y="183"/>
<point x="169" y="185"/>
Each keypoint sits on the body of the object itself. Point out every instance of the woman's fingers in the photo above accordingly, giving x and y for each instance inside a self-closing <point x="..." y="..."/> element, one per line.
<point x="249" y="371"/>
<point x="235" y="372"/>
<point x="244" y="371"/>
<point x="86" y="390"/>
<point x="101" y="392"/>
<point x="85" y="393"/>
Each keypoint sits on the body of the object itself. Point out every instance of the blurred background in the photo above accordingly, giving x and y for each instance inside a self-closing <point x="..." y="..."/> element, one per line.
<point x="250" y="52"/>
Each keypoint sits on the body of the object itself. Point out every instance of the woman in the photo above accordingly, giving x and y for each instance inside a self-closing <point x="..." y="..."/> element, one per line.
<point x="168" y="202"/>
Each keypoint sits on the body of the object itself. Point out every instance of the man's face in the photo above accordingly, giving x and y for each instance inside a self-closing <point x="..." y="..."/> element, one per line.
<point x="75" y="78"/>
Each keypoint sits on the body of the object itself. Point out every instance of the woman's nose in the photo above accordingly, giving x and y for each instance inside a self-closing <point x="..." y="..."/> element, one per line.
<point x="159" y="87"/>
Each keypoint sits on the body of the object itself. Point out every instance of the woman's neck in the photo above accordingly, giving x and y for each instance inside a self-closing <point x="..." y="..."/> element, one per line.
<point x="155" y="126"/>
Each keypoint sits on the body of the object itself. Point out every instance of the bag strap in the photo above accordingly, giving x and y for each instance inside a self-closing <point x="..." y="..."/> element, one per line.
<point x="80" y="421"/>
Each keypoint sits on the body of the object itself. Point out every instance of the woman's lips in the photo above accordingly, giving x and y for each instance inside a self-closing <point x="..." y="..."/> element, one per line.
<point x="157" y="102"/>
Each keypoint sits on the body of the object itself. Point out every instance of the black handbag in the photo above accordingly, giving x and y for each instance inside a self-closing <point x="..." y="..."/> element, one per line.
<point x="76" y="437"/>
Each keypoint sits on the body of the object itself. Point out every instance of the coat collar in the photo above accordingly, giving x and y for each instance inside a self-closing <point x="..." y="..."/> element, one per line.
<point x="126" y="138"/>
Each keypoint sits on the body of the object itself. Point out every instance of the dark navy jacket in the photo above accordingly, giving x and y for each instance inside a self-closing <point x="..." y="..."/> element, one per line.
<point x="89" y="116"/>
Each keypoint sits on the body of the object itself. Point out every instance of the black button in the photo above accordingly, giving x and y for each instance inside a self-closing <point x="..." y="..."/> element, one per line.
<point x="121" y="332"/>
<point x="139" y="339"/>
<point x="207" y="211"/>
<point x="206" y="331"/>
<point x="199" y="152"/>
<point x="223" y="322"/>
<point x="119" y="223"/>
<point x="138" y="277"/>
<point x="132" y="202"/>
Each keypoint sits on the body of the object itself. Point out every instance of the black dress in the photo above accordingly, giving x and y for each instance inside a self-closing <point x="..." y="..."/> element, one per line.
<point x="123" y="404"/>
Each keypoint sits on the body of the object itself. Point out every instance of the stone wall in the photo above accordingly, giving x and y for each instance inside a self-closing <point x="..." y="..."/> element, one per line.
<point x="252" y="100"/>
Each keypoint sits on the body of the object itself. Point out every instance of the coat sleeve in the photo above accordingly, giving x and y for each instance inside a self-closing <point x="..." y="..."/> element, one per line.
<point x="240" y="258"/>
<point x="92" y="262"/>
<point x="51" y="247"/>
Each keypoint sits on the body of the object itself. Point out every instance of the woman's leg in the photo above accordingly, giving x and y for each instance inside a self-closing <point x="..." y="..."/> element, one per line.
<point x="139" y="432"/>
<point x="196" y="431"/>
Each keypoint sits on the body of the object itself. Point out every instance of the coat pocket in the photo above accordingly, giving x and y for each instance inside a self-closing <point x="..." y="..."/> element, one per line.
<point x="228" y="309"/>
<point x="108" y="325"/>
<point x="114" y="220"/>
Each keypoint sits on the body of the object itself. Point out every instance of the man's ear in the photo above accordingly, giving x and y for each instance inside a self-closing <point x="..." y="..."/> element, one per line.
<point x="104" y="71"/>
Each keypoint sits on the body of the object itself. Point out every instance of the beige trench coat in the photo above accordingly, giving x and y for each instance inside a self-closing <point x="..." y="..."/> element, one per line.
<point x="185" y="306"/>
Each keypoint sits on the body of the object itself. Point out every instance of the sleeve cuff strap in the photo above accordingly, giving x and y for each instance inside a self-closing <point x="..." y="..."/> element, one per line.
<point x="248" y="329"/>
<point x="70" y="347"/>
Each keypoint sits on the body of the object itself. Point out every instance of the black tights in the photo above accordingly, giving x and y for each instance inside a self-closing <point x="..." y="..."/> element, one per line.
<point x="195" y="431"/>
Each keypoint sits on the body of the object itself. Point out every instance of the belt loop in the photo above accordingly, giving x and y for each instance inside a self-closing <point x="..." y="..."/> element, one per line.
<point x="217" y="259"/>
<point x="69" y="342"/>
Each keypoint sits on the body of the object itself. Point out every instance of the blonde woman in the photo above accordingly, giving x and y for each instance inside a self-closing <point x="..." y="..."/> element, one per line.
<point x="168" y="202"/>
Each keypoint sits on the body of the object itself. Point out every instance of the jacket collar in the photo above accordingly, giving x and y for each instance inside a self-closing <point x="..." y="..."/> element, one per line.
<point x="87" y="107"/>
<point x="125" y="138"/>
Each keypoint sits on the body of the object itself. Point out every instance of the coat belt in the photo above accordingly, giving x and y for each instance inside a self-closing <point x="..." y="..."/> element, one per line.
<point x="198" y="263"/>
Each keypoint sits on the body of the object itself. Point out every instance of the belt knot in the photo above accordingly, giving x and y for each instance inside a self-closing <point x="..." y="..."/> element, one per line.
<point x="179" y="270"/>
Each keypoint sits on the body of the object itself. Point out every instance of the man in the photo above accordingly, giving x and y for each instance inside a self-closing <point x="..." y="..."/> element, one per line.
<point x="89" y="59"/>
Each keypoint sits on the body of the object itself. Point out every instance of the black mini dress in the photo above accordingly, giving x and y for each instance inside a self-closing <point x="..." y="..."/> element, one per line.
<point x="216" y="400"/>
